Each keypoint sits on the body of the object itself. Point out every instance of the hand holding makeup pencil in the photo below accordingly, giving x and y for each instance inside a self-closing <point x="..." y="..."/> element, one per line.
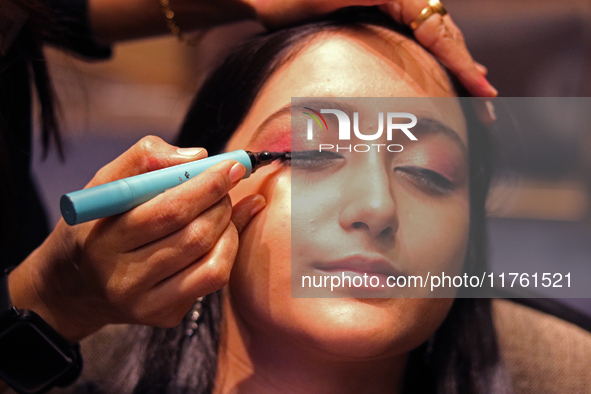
<point x="146" y="266"/>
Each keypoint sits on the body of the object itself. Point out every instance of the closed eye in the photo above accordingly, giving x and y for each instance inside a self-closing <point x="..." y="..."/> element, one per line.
<point x="428" y="179"/>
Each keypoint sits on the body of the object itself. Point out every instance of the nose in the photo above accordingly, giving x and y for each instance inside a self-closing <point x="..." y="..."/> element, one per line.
<point x="369" y="204"/>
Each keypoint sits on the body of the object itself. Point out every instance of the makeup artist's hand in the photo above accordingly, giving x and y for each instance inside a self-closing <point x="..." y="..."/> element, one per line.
<point x="438" y="34"/>
<point x="146" y="266"/>
<point x="113" y="21"/>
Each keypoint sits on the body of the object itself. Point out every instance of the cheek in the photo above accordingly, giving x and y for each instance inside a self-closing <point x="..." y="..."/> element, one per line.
<point x="262" y="266"/>
<point x="434" y="235"/>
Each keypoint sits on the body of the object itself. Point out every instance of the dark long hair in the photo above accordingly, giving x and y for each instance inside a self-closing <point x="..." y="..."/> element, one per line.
<point x="461" y="357"/>
<point x="22" y="221"/>
<point x="26" y="54"/>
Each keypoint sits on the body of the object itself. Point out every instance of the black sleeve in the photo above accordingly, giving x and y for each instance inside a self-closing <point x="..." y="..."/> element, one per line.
<point x="72" y="17"/>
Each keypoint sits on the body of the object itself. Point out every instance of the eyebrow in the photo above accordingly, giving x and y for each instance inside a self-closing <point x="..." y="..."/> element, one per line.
<point x="288" y="109"/>
<point x="424" y="126"/>
<point x="429" y="126"/>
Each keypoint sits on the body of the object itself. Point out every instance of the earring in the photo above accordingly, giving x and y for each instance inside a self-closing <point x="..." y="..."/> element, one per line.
<point x="429" y="350"/>
<point x="193" y="317"/>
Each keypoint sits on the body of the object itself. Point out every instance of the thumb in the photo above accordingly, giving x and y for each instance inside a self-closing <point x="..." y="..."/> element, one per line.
<point x="246" y="209"/>
<point x="149" y="154"/>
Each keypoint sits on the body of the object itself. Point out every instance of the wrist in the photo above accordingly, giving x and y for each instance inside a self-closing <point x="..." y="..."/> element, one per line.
<point x="113" y="21"/>
<point x="35" y="357"/>
<point x="192" y="15"/>
<point x="31" y="287"/>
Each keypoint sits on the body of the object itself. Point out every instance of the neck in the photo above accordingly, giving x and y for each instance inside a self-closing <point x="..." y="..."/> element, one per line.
<point x="251" y="363"/>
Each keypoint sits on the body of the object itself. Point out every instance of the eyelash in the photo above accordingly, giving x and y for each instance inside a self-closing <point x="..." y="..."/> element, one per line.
<point x="311" y="160"/>
<point x="427" y="179"/>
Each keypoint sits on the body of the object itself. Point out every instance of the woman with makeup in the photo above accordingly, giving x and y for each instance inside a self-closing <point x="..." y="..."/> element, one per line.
<point x="423" y="205"/>
<point x="147" y="268"/>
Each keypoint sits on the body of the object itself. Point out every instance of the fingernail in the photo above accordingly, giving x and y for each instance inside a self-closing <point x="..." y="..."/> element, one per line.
<point x="189" y="152"/>
<point x="488" y="89"/>
<point x="481" y="69"/>
<point x="258" y="203"/>
<point x="237" y="172"/>
<point x="490" y="108"/>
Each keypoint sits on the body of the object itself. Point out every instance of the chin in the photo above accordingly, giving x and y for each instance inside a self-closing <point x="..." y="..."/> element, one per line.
<point x="361" y="329"/>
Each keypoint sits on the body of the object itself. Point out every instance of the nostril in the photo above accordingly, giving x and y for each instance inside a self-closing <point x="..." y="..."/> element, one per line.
<point x="387" y="232"/>
<point x="358" y="225"/>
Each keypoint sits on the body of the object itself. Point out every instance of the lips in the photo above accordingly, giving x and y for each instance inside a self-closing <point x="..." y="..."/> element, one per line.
<point x="359" y="264"/>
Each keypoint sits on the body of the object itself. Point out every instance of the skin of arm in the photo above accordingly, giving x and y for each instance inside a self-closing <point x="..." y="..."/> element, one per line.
<point x="114" y="20"/>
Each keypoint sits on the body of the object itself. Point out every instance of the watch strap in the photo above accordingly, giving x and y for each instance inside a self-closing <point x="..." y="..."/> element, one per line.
<point x="54" y="347"/>
<point x="5" y="303"/>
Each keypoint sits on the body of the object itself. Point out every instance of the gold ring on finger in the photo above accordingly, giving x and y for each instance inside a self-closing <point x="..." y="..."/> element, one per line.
<point x="434" y="7"/>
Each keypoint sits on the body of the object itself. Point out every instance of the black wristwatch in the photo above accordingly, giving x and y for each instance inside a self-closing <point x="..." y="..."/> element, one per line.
<point x="34" y="358"/>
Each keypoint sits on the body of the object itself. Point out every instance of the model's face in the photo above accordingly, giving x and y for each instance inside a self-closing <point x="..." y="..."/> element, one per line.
<point x="411" y="212"/>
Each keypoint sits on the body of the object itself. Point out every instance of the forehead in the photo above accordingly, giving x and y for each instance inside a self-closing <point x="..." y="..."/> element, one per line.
<point x="373" y="63"/>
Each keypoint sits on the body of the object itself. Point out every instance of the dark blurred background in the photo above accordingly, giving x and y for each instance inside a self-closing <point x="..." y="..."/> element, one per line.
<point x="539" y="210"/>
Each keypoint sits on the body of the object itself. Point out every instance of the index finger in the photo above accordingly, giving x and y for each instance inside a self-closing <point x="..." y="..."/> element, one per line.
<point x="149" y="154"/>
<point x="177" y="207"/>
<point x="440" y="35"/>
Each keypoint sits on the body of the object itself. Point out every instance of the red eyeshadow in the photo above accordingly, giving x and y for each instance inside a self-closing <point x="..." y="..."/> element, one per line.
<point x="275" y="142"/>
<point x="438" y="159"/>
<point x="281" y="144"/>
